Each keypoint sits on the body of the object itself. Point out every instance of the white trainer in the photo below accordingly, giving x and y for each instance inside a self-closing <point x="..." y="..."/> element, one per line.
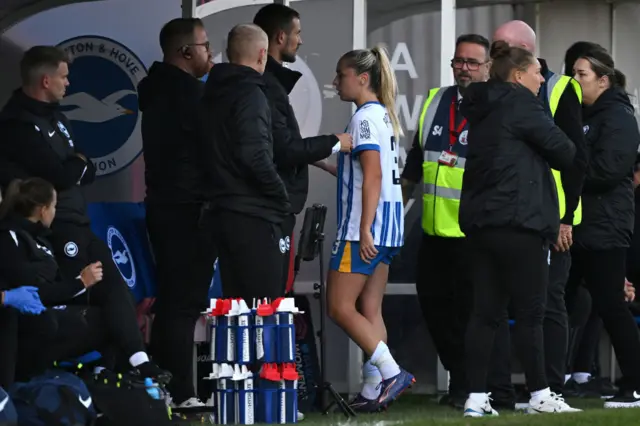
<point x="551" y="404"/>
<point x="472" y="408"/>
<point x="192" y="402"/>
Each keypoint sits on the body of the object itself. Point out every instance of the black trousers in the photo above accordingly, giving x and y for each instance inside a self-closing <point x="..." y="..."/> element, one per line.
<point x="184" y="256"/>
<point x="507" y="265"/>
<point x="58" y="334"/>
<point x="445" y="295"/>
<point x="603" y="273"/>
<point x="584" y="331"/>
<point x="555" y="325"/>
<point x="9" y="345"/>
<point x="251" y="252"/>
<point x="111" y="294"/>
<point x="31" y="343"/>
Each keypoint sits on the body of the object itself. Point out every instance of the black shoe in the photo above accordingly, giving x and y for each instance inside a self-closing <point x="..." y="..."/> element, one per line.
<point x="455" y="400"/>
<point x="502" y="404"/>
<point x="605" y="387"/>
<point x="572" y="389"/>
<point x="624" y="399"/>
<point x="149" y="369"/>
<point x="596" y="387"/>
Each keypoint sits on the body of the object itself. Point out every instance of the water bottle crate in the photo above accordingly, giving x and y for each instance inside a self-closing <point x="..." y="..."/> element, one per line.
<point x="244" y="398"/>
<point x="243" y="335"/>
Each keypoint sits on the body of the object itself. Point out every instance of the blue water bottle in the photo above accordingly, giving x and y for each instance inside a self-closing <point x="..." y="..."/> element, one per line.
<point x="244" y="396"/>
<point x="225" y="400"/>
<point x="266" y="334"/>
<point x="285" y="310"/>
<point x="243" y="334"/>
<point x="222" y="332"/>
<point x="288" y="395"/>
<point x="267" y="407"/>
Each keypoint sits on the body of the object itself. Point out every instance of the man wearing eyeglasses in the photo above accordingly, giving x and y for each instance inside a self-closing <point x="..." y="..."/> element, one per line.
<point x="184" y="254"/>
<point x="437" y="158"/>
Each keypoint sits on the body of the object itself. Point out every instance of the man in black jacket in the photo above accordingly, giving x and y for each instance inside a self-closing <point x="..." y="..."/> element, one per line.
<point x="183" y="251"/>
<point x="292" y="153"/>
<point x="249" y="200"/>
<point x="567" y="115"/>
<point x="37" y="140"/>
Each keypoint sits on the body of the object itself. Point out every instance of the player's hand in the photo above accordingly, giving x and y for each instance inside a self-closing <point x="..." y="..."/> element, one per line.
<point x="565" y="238"/>
<point x="368" y="250"/>
<point x="346" y="142"/>
<point x="91" y="275"/>
<point x="629" y="291"/>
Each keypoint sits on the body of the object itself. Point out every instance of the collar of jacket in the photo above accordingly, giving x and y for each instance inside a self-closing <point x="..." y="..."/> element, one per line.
<point x="286" y="77"/>
<point x="16" y="222"/>
<point x="20" y="101"/>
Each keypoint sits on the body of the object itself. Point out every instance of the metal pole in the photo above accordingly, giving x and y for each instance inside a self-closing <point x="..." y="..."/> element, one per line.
<point x="447" y="40"/>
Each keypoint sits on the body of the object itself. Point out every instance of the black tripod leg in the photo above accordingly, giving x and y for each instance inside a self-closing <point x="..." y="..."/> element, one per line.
<point x="337" y="399"/>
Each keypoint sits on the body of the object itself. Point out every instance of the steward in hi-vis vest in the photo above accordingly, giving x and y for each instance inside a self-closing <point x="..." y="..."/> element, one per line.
<point x="435" y="164"/>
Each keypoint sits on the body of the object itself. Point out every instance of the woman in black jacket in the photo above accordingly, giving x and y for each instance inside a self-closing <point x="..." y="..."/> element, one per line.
<point x="27" y="211"/>
<point x="602" y="239"/>
<point x="509" y="212"/>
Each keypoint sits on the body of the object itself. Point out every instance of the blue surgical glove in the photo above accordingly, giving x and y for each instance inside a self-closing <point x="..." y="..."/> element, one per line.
<point x="24" y="299"/>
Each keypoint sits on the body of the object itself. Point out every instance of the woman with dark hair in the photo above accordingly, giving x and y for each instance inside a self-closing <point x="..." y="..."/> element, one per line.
<point x="509" y="212"/>
<point x="584" y="326"/>
<point x="602" y="239"/>
<point x="576" y="51"/>
<point x="26" y="213"/>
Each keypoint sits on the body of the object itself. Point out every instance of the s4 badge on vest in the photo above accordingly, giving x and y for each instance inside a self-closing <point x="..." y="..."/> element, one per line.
<point x="448" y="158"/>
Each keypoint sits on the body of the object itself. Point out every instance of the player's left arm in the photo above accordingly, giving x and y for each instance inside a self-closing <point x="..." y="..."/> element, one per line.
<point x="366" y="146"/>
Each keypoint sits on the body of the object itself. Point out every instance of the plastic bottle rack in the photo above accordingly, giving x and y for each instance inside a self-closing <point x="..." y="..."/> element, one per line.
<point x="253" y="355"/>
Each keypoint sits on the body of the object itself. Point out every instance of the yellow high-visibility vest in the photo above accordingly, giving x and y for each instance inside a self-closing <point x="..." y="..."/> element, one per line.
<point x="555" y="87"/>
<point x="442" y="184"/>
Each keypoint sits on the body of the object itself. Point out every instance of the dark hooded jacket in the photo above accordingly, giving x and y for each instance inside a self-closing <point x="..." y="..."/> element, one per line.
<point x="168" y="98"/>
<point x="237" y="146"/>
<point x="292" y="153"/>
<point x="36" y="140"/>
<point x="27" y="260"/>
<point x="612" y="138"/>
<point x="513" y="143"/>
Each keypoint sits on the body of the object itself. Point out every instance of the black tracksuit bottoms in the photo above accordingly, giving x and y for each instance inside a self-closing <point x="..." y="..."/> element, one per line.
<point x="445" y="293"/>
<point x="556" y="326"/>
<point x="507" y="265"/>
<point x="184" y="256"/>
<point x="111" y="294"/>
<point x="31" y="343"/>
<point x="251" y="252"/>
<point x="603" y="274"/>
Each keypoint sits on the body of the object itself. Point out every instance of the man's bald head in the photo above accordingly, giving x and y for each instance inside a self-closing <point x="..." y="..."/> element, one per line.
<point x="247" y="44"/>
<point x="517" y="34"/>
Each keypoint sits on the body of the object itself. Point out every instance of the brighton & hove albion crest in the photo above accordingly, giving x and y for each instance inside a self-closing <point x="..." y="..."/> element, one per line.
<point x="121" y="256"/>
<point x="102" y="101"/>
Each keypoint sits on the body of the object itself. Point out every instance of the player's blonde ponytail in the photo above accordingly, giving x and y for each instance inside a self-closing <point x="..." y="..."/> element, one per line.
<point x="388" y="87"/>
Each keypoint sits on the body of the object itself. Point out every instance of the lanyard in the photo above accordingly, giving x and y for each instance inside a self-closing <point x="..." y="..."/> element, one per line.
<point x="454" y="132"/>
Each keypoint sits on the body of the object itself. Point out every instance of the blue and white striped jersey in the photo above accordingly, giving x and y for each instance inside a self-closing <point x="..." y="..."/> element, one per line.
<point x="371" y="129"/>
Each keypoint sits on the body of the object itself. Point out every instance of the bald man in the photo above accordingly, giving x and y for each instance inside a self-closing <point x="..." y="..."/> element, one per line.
<point x="248" y="198"/>
<point x="562" y="96"/>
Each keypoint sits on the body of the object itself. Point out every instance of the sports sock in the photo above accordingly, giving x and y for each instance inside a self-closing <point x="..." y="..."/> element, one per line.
<point x="371" y="381"/>
<point x="383" y="359"/>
